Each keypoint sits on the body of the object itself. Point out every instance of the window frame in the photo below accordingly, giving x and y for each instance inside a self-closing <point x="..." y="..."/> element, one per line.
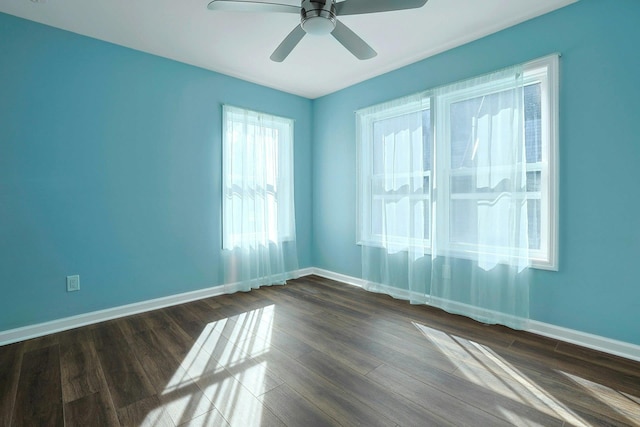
<point x="284" y="185"/>
<point x="543" y="71"/>
<point x="365" y="120"/>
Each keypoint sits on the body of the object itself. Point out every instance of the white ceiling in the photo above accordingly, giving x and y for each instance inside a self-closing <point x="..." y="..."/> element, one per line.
<point x="239" y="44"/>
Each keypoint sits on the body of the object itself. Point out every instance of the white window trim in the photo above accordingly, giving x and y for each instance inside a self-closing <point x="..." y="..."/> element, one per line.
<point x="546" y="71"/>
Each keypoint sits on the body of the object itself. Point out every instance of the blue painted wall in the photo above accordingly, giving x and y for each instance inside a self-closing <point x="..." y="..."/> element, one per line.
<point x="597" y="288"/>
<point x="110" y="168"/>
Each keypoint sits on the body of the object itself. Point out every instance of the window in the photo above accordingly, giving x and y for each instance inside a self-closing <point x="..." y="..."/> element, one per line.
<point x="257" y="179"/>
<point x="439" y="135"/>
<point x="398" y="173"/>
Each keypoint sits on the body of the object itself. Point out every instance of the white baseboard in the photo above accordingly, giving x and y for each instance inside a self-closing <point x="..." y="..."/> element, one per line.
<point x="584" y="339"/>
<point x="350" y="280"/>
<point x="595" y="342"/>
<point x="304" y="272"/>
<point x="64" y="324"/>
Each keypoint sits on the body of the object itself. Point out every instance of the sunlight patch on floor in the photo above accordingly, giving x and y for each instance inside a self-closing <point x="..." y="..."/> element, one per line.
<point x="221" y="364"/>
<point x="614" y="399"/>
<point x="484" y="367"/>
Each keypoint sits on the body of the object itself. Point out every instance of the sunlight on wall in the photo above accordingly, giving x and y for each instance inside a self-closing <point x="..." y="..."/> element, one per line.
<point x="222" y="363"/>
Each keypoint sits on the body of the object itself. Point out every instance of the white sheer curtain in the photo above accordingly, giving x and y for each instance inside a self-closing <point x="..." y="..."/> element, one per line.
<point x="444" y="209"/>
<point x="395" y="196"/>
<point x="480" y="256"/>
<point x="259" y="246"/>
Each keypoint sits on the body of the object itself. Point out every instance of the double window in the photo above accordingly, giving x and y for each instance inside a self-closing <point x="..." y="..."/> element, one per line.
<point x="437" y="162"/>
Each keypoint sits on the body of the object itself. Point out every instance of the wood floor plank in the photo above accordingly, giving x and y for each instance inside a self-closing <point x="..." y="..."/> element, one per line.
<point x="327" y="303"/>
<point x="393" y="308"/>
<point x="185" y="401"/>
<point x="548" y="362"/>
<point x="94" y="409"/>
<point x="279" y="339"/>
<point x="237" y="404"/>
<point x="191" y="324"/>
<point x="39" y="394"/>
<point x="175" y="340"/>
<point x="631" y="397"/>
<point x="254" y="376"/>
<point x="399" y="410"/>
<point x="179" y="394"/>
<point x="125" y="376"/>
<point x="597" y="357"/>
<point x="212" y="418"/>
<point x="452" y="407"/>
<point x="208" y="314"/>
<point x="158" y="364"/>
<point x="293" y="305"/>
<point x="574" y="392"/>
<point x="258" y="331"/>
<point x="199" y="320"/>
<point x="338" y="403"/>
<point x="81" y="373"/>
<point x="220" y="357"/>
<point x="317" y="337"/>
<point x="40" y="342"/>
<point x="10" y="364"/>
<point x="147" y="412"/>
<point x="546" y="397"/>
<point x="382" y="345"/>
<point x="294" y="410"/>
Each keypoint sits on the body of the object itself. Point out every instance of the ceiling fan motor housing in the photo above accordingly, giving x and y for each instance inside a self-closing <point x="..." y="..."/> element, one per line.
<point x="318" y="17"/>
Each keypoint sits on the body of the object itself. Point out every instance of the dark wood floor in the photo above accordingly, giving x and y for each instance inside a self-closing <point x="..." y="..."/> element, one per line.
<point x="312" y="353"/>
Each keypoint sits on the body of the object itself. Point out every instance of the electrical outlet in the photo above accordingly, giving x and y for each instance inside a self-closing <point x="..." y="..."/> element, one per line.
<point x="73" y="283"/>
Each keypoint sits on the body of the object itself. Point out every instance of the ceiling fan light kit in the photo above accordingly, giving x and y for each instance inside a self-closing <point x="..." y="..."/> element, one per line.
<point x="320" y="17"/>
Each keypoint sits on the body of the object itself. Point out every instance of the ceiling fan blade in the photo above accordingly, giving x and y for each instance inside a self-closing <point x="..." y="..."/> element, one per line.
<point x="287" y="45"/>
<point x="251" y="6"/>
<point x="357" y="7"/>
<point x="352" y="42"/>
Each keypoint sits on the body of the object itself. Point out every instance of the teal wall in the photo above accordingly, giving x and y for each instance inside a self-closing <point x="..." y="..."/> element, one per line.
<point x="110" y="168"/>
<point x="597" y="287"/>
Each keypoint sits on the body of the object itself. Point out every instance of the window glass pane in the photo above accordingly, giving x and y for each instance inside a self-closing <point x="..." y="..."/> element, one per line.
<point x="396" y="216"/>
<point x="534" y="218"/>
<point x="403" y="218"/>
<point x="425" y="209"/>
<point x="401" y="149"/>
<point x="427" y="143"/>
<point x="471" y="120"/>
<point x="376" y="217"/>
<point x="462" y="184"/>
<point x="533" y="122"/>
<point x="391" y="147"/>
<point x="534" y="181"/>
<point x="463" y="221"/>
<point x="484" y="166"/>
<point x="533" y="143"/>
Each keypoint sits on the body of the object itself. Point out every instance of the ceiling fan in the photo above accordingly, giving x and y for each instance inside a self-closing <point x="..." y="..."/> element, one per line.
<point x="319" y="17"/>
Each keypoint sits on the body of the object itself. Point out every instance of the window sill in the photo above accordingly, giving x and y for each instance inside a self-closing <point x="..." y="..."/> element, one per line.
<point x="534" y="263"/>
